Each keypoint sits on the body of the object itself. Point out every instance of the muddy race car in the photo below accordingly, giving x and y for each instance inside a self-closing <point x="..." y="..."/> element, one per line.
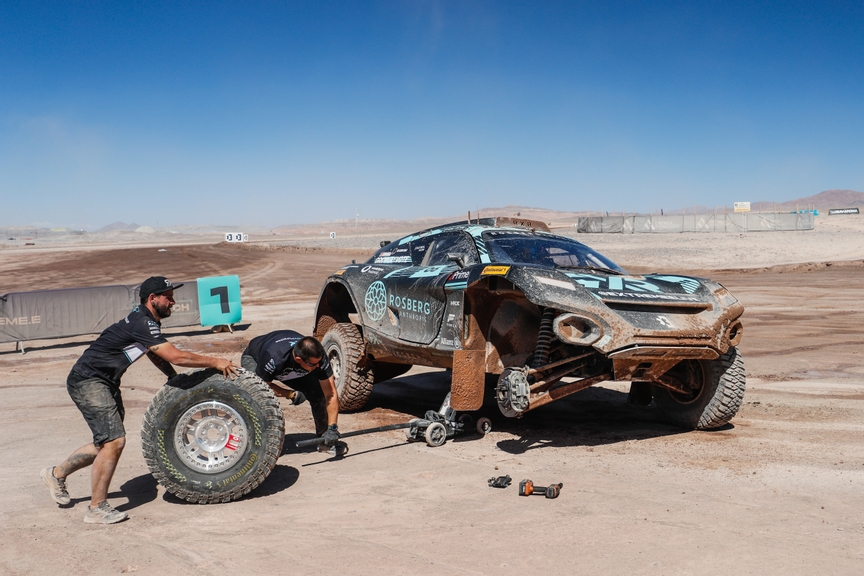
<point x="543" y="316"/>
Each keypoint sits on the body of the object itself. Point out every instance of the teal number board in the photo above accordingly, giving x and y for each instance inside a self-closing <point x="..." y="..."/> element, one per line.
<point x="219" y="300"/>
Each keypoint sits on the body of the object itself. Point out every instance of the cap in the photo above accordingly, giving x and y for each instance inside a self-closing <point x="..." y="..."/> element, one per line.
<point x="156" y="285"/>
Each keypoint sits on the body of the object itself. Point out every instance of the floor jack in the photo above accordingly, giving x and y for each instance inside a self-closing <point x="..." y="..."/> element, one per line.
<point x="435" y="427"/>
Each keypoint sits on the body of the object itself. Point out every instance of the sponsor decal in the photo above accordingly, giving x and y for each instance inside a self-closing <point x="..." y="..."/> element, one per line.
<point x="134" y="351"/>
<point x="459" y="275"/>
<point x="688" y="284"/>
<point x="409" y="304"/>
<point x="20" y="320"/>
<point x="292" y="374"/>
<point x="495" y="270"/>
<point x="371" y="270"/>
<point x="429" y="271"/>
<point x="615" y="283"/>
<point x="556" y="283"/>
<point x="233" y="442"/>
<point x="393" y="260"/>
<point x="376" y="300"/>
<point x="643" y="295"/>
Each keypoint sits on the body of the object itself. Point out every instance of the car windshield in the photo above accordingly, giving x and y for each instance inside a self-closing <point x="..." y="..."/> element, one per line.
<point x="547" y="251"/>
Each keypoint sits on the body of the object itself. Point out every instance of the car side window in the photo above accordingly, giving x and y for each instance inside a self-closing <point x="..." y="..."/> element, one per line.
<point x="393" y="253"/>
<point x="451" y="243"/>
<point x="420" y="248"/>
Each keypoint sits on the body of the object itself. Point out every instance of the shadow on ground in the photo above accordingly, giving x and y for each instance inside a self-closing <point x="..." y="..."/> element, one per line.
<point x="281" y="478"/>
<point x="139" y="490"/>
<point x="592" y="417"/>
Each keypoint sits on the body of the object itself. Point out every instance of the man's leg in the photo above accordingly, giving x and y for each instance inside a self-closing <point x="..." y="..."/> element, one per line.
<point x="103" y="469"/>
<point x="248" y="363"/>
<point x="102" y="407"/>
<point x="81" y="458"/>
<point x="310" y="386"/>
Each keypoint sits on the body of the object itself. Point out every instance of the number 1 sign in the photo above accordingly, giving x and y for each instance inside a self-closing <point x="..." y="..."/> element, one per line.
<point x="219" y="300"/>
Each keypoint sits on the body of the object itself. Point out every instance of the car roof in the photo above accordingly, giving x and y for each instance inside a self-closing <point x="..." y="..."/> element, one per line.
<point x="498" y="222"/>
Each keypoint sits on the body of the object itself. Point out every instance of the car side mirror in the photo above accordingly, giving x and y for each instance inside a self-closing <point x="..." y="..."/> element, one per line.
<point x="457" y="258"/>
<point x="383" y="243"/>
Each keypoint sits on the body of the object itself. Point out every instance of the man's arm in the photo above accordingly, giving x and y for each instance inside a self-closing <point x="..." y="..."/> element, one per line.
<point x="281" y="391"/>
<point x="330" y="396"/>
<point x="162" y="365"/>
<point x="170" y="353"/>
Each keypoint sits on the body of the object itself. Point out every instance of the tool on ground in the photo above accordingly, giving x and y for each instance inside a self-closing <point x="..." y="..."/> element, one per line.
<point x="527" y="488"/>
<point x="435" y="428"/>
<point x="500" y="481"/>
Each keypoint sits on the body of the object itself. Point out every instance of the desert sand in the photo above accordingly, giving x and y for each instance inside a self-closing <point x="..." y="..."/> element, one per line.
<point x="779" y="491"/>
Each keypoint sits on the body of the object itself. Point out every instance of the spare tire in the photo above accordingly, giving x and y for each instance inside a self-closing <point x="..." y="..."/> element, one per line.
<point x="207" y="438"/>
<point x="346" y="352"/>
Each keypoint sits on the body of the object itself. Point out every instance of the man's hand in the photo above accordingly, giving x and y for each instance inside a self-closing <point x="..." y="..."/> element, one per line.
<point x="297" y="397"/>
<point x="227" y="367"/>
<point x="331" y="435"/>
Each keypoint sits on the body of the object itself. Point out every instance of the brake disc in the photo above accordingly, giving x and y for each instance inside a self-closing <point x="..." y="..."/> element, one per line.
<point x="512" y="392"/>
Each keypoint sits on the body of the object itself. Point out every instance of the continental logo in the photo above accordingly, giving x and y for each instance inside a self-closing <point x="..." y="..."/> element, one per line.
<point x="495" y="270"/>
<point x="246" y="467"/>
<point x="20" y="321"/>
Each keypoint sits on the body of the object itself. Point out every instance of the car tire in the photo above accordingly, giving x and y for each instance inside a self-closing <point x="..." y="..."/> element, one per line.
<point x="386" y="371"/>
<point x="344" y="348"/>
<point x="714" y="401"/>
<point x="207" y="438"/>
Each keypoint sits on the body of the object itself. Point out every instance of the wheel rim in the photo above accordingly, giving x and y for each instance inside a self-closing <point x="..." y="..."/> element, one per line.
<point x="210" y="437"/>
<point x="336" y="364"/>
<point x="690" y="374"/>
<point x="437" y="433"/>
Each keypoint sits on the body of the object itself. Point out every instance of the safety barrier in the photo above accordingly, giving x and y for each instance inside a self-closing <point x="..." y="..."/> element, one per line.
<point x="729" y="222"/>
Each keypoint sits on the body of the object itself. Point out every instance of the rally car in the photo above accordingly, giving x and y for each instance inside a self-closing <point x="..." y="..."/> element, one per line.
<point x="543" y="314"/>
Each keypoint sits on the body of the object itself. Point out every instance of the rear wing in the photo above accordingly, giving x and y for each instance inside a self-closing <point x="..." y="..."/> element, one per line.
<point x="521" y="223"/>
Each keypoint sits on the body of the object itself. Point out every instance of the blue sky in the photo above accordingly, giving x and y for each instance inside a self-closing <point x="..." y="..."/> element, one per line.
<point x="271" y="113"/>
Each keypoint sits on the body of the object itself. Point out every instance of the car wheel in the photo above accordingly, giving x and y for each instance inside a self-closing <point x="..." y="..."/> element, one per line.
<point x="716" y="391"/>
<point x="207" y="438"/>
<point x="344" y="348"/>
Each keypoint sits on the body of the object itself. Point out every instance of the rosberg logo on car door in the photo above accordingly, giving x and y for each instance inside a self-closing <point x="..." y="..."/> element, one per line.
<point x="376" y="300"/>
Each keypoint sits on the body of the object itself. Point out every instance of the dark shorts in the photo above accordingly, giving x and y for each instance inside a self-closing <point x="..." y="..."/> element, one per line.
<point x="101" y="404"/>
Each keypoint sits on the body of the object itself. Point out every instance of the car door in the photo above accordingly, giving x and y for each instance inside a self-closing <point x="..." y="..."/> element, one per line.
<point x="415" y="294"/>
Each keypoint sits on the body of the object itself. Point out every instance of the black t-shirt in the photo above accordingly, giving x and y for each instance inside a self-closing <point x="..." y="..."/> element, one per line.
<point x="274" y="355"/>
<point x="120" y="345"/>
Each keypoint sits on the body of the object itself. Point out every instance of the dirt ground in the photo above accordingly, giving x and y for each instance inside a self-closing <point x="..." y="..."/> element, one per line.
<point x="779" y="491"/>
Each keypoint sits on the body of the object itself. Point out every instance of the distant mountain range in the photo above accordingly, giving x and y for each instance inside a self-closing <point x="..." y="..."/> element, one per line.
<point x="821" y="201"/>
<point x="118" y="226"/>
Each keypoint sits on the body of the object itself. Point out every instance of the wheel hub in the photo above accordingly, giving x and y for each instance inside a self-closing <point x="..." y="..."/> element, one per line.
<point x="513" y="392"/>
<point x="211" y="437"/>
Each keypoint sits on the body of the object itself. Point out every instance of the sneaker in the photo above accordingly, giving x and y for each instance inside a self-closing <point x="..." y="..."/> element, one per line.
<point x="103" y="514"/>
<point x="56" y="486"/>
